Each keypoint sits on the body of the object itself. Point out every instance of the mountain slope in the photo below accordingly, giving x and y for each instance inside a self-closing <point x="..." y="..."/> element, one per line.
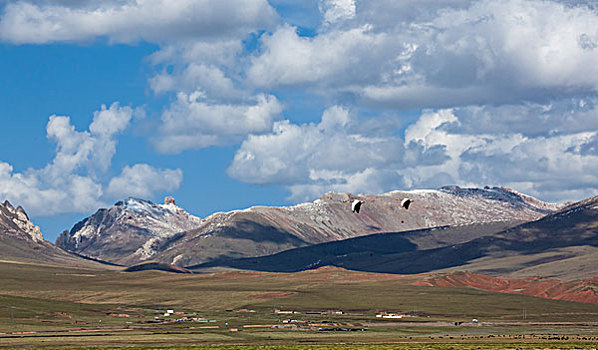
<point x="266" y="230"/>
<point x="131" y="231"/>
<point x="22" y="242"/>
<point x="585" y="290"/>
<point x="521" y="249"/>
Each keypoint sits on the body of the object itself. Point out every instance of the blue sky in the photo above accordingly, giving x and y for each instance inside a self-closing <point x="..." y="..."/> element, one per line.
<point x="226" y="104"/>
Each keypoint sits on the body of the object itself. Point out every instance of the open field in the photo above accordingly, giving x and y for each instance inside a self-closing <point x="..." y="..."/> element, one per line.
<point x="58" y="306"/>
<point x="358" y="346"/>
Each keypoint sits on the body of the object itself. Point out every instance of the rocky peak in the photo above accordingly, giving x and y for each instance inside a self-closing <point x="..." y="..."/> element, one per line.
<point x="8" y="205"/>
<point x="15" y="222"/>
<point x="134" y="227"/>
<point x="169" y="200"/>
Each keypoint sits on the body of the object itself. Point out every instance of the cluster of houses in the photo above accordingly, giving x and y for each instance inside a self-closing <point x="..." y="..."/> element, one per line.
<point x="170" y="316"/>
<point x="327" y="312"/>
<point x="391" y="315"/>
<point x="180" y="317"/>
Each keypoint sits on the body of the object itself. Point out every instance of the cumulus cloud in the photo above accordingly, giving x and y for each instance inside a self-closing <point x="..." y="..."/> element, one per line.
<point x="125" y="21"/>
<point x="43" y="195"/>
<point x="441" y="54"/>
<point x="143" y="181"/>
<point x="339" y="153"/>
<point x="193" y="123"/>
<point x="563" y="116"/>
<point x="336" y="10"/>
<point x="91" y="149"/>
<point x="552" y="167"/>
<point x="210" y="79"/>
<point x="335" y="58"/>
<point x="73" y="180"/>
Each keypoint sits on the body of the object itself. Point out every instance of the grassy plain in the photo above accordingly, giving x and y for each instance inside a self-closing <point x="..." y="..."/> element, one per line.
<point x="51" y="306"/>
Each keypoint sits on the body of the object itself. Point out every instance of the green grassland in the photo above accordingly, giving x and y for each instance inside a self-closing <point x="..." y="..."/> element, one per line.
<point x="45" y="306"/>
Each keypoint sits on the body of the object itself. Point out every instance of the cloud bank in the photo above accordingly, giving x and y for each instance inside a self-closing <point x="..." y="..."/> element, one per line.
<point x="126" y="21"/>
<point x="346" y="153"/>
<point x="505" y="92"/>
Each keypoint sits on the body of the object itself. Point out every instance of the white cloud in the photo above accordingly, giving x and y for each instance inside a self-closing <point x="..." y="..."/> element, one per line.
<point x="342" y="154"/>
<point x="339" y="153"/>
<point x="336" y="10"/>
<point x="125" y="21"/>
<point x="215" y="53"/>
<point x="210" y="79"/>
<point x="551" y="167"/>
<point x="46" y="195"/>
<point x="336" y="58"/>
<point x="143" y="181"/>
<point x="563" y="116"/>
<point x="73" y="181"/>
<point x="423" y="54"/>
<point x="91" y="149"/>
<point x="107" y="122"/>
<point x="211" y="67"/>
<point x="192" y="123"/>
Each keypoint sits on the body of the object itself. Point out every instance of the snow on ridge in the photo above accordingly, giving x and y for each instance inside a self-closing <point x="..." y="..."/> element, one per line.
<point x="161" y="220"/>
<point x="501" y="194"/>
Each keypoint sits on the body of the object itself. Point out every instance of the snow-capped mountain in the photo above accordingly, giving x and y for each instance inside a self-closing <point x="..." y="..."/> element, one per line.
<point x="130" y="231"/>
<point x="135" y="230"/>
<point x="15" y="222"/>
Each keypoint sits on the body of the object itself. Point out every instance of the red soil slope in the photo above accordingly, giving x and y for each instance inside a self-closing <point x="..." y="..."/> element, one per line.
<point x="585" y="291"/>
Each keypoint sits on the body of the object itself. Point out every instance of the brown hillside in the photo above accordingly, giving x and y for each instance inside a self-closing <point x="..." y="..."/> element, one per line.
<point x="585" y="291"/>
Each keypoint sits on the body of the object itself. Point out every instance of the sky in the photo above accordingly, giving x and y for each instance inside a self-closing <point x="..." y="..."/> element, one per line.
<point x="225" y="104"/>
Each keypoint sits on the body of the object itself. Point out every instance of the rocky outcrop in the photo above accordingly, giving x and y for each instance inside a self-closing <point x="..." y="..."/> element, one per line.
<point x="16" y="223"/>
<point x="21" y="241"/>
<point x="169" y="200"/>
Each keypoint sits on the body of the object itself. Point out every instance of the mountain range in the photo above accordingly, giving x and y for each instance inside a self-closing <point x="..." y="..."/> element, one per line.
<point x="499" y="236"/>
<point x="136" y="230"/>
<point x="563" y="244"/>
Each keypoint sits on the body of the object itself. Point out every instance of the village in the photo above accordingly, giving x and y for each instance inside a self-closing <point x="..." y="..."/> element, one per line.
<point x="312" y="320"/>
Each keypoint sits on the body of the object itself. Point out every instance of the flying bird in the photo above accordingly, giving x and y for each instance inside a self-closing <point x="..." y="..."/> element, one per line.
<point x="405" y="203"/>
<point x="356" y="205"/>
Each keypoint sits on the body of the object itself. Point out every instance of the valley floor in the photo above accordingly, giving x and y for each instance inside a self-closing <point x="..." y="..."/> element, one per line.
<point x="329" y="308"/>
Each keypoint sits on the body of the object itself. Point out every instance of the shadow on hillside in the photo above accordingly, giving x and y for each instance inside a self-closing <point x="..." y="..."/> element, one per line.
<point x="394" y="253"/>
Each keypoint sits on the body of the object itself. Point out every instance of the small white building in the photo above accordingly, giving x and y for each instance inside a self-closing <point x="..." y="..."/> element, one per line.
<point x="390" y="315"/>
